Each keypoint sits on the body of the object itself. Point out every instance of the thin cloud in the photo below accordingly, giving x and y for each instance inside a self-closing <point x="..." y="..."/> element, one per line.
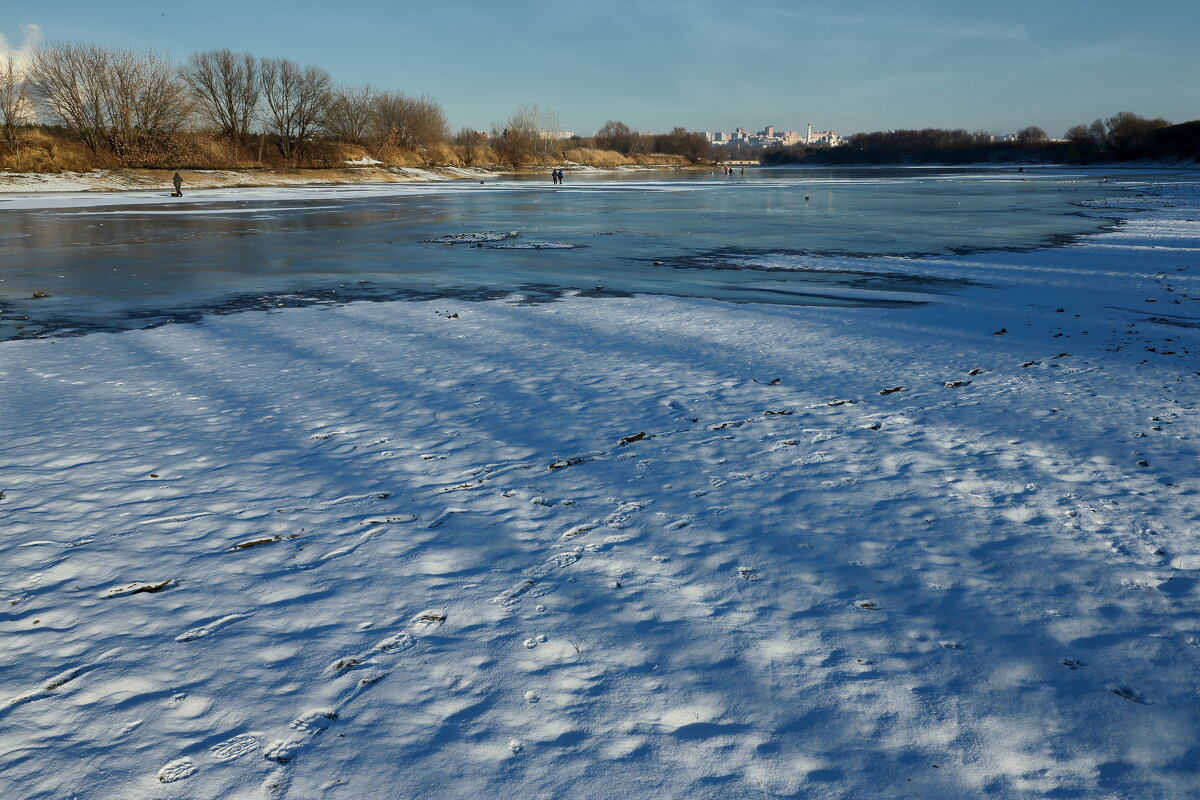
<point x="1017" y="32"/>
<point x="31" y="37"/>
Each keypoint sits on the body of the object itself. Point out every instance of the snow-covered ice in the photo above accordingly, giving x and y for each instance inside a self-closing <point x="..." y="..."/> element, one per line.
<point x="649" y="546"/>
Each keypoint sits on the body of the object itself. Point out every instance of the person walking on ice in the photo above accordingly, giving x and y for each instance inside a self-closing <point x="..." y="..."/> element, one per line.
<point x="178" y="183"/>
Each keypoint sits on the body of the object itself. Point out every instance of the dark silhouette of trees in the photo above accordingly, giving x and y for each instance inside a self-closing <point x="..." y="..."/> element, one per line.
<point x="692" y="146"/>
<point x="1125" y="133"/>
<point x="1033" y="136"/>
<point x="1082" y="143"/>
<point x="1123" y="136"/>
<point x="1175" y="141"/>
<point x="621" y="138"/>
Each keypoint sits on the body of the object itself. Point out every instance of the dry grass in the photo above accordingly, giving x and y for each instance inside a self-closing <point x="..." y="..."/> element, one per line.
<point x="657" y="159"/>
<point x="608" y="159"/>
<point x="40" y="151"/>
<point x="597" y="158"/>
<point x="48" y="150"/>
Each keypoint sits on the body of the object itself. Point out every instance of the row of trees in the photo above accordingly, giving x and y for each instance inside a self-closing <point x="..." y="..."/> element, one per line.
<point x="620" y="138"/>
<point x="1121" y="137"/>
<point x="138" y="107"/>
<point x="133" y="104"/>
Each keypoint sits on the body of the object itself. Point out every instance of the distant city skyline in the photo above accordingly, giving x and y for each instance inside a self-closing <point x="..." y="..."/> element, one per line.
<point x="863" y="66"/>
<point x="771" y="135"/>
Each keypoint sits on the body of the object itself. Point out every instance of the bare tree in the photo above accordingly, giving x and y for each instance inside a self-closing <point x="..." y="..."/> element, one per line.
<point x="618" y="136"/>
<point x="1031" y="136"/>
<point x="14" y="100"/>
<point x="69" y="80"/>
<point x="130" y="102"/>
<point x="471" y="145"/>
<point x="692" y="146"/>
<point x="296" y="99"/>
<point x="349" y="114"/>
<point x="226" y="88"/>
<point x="146" y="103"/>
<point x="1125" y="132"/>
<point x="523" y="138"/>
<point x="400" y="120"/>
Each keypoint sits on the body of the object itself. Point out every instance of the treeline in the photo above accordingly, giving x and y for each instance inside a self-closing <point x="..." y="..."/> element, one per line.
<point x="620" y="138"/>
<point x="1122" y="137"/>
<point x="84" y="104"/>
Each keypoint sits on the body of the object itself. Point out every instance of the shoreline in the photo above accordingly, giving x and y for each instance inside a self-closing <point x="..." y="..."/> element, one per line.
<point x="127" y="180"/>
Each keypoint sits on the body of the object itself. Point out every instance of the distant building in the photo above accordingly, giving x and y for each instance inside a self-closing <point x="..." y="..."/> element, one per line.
<point x="770" y="136"/>
<point x="829" y="138"/>
<point x="556" y="135"/>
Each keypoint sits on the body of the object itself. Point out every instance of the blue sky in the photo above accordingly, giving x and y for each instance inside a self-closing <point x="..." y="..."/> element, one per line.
<point x="706" y="65"/>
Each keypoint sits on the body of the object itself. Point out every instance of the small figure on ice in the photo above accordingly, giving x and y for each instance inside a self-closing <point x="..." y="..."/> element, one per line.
<point x="178" y="183"/>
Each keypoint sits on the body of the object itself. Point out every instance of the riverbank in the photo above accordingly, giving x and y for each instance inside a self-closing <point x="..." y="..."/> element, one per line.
<point x="647" y="546"/>
<point x="125" y="180"/>
<point x="122" y="180"/>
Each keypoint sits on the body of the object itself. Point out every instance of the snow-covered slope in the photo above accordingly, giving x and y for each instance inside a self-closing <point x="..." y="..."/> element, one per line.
<point x="645" y="547"/>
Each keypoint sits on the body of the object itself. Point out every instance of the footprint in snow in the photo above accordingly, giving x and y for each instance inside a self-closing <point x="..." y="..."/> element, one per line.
<point x="556" y="562"/>
<point x="306" y="727"/>
<point x="236" y="747"/>
<point x="511" y="595"/>
<point x="177" y="770"/>
<point x="534" y="641"/>
<point x="393" y="644"/>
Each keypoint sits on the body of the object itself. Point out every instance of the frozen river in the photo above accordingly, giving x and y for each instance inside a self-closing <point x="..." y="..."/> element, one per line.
<point x="783" y="235"/>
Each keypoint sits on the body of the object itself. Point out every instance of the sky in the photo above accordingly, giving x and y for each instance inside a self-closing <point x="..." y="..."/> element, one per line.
<point x="703" y="65"/>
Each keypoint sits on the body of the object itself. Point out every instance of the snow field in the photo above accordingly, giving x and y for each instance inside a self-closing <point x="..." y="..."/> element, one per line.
<point x="653" y="546"/>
